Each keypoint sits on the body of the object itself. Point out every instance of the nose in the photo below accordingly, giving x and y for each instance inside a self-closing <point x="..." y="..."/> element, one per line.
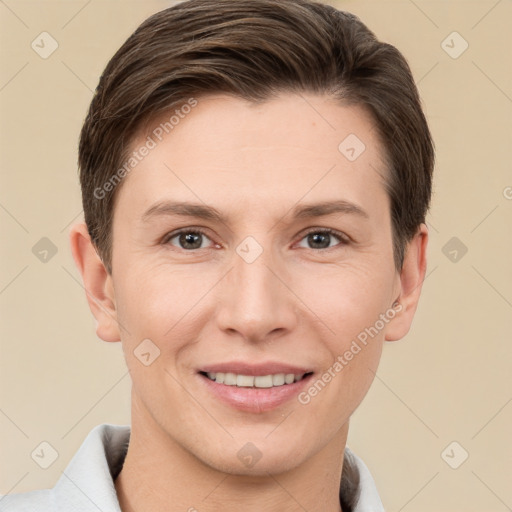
<point x="256" y="301"/>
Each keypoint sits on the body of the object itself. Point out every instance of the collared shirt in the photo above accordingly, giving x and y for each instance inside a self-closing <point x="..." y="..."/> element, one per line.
<point x="87" y="483"/>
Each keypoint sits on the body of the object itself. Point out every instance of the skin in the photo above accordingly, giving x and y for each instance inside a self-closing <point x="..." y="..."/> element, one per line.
<point x="298" y="302"/>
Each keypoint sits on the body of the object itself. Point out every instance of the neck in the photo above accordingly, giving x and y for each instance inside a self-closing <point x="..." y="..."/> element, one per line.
<point x="160" y="474"/>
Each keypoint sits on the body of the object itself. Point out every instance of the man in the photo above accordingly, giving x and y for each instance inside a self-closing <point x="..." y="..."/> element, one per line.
<point x="255" y="178"/>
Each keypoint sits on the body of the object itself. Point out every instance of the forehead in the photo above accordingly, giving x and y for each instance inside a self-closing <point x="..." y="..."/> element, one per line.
<point x="226" y="148"/>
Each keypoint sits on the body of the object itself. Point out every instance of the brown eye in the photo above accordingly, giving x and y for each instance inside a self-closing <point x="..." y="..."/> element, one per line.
<point x="188" y="240"/>
<point x="322" y="239"/>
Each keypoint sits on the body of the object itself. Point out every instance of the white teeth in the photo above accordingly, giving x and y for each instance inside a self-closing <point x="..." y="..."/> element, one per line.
<point x="263" y="382"/>
<point x="246" y="381"/>
<point x="230" y="379"/>
<point x="278" y="379"/>
<point x="250" y="381"/>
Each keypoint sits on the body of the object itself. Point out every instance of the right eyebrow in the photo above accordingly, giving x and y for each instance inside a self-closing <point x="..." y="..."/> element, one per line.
<point x="184" y="209"/>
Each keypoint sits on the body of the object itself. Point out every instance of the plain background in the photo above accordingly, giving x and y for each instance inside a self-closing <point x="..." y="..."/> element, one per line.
<point x="448" y="381"/>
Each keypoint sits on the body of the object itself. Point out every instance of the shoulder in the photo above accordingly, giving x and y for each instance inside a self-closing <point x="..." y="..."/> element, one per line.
<point x="33" y="501"/>
<point x="86" y="483"/>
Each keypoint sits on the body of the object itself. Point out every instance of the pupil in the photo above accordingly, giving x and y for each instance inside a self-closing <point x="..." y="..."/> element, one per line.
<point x="317" y="238"/>
<point x="191" y="238"/>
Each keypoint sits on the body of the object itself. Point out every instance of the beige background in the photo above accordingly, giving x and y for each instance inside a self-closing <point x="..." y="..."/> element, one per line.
<point x="449" y="380"/>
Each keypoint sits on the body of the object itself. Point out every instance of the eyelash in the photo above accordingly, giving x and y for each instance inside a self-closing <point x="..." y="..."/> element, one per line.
<point x="343" y="239"/>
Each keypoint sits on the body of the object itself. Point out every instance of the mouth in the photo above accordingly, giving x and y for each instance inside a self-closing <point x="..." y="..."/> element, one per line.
<point x="255" y="381"/>
<point x="254" y="388"/>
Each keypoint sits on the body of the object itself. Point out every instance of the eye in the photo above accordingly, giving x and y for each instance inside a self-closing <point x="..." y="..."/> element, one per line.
<point x="322" y="238"/>
<point x="187" y="239"/>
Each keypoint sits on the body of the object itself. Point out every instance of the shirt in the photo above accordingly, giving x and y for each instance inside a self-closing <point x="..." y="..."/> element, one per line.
<point x="87" y="483"/>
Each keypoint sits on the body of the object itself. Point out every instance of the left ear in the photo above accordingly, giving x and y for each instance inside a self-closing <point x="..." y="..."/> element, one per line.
<point x="412" y="276"/>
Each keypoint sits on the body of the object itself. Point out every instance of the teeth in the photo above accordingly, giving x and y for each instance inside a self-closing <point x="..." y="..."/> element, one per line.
<point x="263" y="382"/>
<point x="246" y="381"/>
<point x="250" y="381"/>
<point x="230" y="379"/>
<point x="278" y="379"/>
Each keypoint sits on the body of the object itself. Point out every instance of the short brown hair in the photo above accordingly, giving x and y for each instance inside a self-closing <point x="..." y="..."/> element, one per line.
<point x="254" y="49"/>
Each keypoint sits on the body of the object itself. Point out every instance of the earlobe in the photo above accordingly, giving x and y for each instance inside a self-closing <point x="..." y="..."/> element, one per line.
<point x="412" y="276"/>
<point x="97" y="282"/>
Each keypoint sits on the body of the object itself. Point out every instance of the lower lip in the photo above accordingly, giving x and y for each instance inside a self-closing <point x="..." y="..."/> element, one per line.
<point x="254" y="399"/>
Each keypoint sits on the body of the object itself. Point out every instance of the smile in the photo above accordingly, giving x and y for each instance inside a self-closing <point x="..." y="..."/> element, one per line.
<point x="255" y="381"/>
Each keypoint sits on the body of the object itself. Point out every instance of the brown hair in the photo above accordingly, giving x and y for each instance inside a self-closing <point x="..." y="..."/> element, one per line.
<point x="254" y="49"/>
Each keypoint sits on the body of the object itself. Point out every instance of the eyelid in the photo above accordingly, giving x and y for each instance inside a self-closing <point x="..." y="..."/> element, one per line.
<point x="189" y="229"/>
<point x="342" y="237"/>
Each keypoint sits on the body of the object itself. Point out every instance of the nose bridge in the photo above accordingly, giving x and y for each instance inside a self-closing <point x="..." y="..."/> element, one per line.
<point x="255" y="302"/>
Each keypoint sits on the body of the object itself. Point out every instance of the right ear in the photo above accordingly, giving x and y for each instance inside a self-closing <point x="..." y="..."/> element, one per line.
<point x="97" y="282"/>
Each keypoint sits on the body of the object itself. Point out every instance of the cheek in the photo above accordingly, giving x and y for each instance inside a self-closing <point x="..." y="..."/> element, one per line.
<point x="155" y="309"/>
<point x="346" y="301"/>
<point x="155" y="297"/>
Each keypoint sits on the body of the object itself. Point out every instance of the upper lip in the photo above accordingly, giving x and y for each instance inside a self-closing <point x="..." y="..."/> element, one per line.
<point x="243" y="368"/>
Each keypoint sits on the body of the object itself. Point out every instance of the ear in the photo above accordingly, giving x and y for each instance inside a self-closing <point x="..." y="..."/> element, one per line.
<point x="411" y="280"/>
<point x="97" y="282"/>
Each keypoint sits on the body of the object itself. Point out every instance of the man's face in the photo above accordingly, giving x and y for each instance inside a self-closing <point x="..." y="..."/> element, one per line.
<point x="263" y="291"/>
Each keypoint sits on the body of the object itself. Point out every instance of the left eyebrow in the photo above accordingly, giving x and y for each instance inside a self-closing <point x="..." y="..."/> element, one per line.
<point x="328" y="208"/>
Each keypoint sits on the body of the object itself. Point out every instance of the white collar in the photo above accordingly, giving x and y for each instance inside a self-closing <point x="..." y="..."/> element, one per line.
<point x="87" y="483"/>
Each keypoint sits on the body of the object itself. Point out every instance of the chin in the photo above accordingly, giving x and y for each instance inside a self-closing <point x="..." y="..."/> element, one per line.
<point x="273" y="464"/>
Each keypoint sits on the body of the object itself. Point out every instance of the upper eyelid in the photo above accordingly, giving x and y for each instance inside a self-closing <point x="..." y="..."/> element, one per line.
<point x="330" y="231"/>
<point x="173" y="234"/>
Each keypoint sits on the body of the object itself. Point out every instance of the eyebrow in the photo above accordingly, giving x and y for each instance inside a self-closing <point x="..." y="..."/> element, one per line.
<point x="201" y="211"/>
